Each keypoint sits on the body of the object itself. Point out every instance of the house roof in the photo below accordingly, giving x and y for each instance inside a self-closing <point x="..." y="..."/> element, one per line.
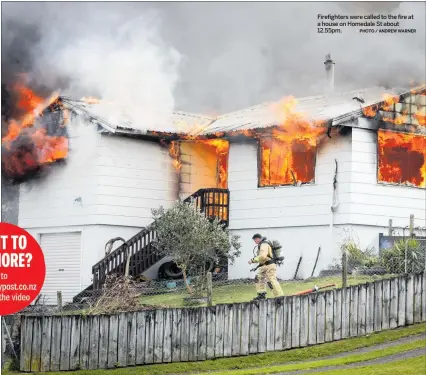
<point x="338" y="107"/>
<point x="116" y="120"/>
<point x="311" y="108"/>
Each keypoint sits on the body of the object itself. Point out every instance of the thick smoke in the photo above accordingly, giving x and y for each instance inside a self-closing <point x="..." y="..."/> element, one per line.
<point x="151" y="58"/>
<point x="96" y="50"/>
<point x="205" y="57"/>
<point x="242" y="54"/>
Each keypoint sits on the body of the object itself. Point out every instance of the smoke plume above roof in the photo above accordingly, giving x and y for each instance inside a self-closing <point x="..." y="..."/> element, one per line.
<point x="203" y="57"/>
<point x="93" y="50"/>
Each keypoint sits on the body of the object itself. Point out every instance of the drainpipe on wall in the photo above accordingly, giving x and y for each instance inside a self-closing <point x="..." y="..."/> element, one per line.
<point x="334" y="203"/>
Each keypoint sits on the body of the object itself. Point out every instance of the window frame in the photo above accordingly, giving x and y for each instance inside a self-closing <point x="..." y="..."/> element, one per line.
<point x="388" y="183"/>
<point x="259" y="166"/>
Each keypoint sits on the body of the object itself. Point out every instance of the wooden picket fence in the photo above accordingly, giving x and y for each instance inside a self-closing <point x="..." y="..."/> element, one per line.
<point x="54" y="343"/>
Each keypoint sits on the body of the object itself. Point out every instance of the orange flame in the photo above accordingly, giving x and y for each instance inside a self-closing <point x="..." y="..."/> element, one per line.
<point x="28" y="101"/>
<point x="420" y="115"/>
<point x="25" y="148"/>
<point x="400" y="117"/>
<point x="402" y="158"/>
<point x="288" y="155"/>
<point x="370" y="111"/>
<point x="421" y="118"/>
<point x="389" y="101"/>
<point x="398" y="120"/>
<point x="222" y="152"/>
<point x="175" y="154"/>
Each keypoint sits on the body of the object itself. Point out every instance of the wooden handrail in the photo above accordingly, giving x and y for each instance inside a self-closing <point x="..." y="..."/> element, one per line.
<point x="213" y="202"/>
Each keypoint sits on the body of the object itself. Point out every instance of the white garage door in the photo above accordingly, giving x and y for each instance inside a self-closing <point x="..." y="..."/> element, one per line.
<point x="62" y="254"/>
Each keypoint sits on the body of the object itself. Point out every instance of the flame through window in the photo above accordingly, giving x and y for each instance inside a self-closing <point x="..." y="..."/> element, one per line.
<point x="285" y="162"/>
<point x="401" y="158"/>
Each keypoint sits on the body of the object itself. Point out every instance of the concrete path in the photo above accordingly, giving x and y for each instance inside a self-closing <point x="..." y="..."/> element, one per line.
<point x="377" y="361"/>
<point x="385" y="345"/>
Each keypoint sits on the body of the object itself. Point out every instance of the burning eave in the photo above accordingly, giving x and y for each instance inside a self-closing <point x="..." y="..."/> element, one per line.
<point x="234" y="135"/>
<point x="371" y="117"/>
<point x="35" y="141"/>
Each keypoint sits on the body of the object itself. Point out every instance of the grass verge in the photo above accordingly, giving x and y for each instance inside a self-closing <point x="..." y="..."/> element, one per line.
<point x="415" y="366"/>
<point x="262" y="360"/>
<point x="418" y="344"/>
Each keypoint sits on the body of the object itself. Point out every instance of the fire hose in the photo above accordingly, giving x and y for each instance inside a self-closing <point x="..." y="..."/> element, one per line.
<point x="314" y="289"/>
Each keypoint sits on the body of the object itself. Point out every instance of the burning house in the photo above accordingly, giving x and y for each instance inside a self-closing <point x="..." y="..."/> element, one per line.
<point x="308" y="171"/>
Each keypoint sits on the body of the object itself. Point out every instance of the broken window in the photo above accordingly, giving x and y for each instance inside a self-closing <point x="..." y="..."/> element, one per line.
<point x="401" y="158"/>
<point x="286" y="161"/>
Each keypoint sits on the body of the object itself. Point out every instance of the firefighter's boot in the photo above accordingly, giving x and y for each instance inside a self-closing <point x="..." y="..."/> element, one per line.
<point x="260" y="296"/>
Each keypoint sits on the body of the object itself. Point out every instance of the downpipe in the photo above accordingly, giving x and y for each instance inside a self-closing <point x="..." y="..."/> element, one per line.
<point x="334" y="202"/>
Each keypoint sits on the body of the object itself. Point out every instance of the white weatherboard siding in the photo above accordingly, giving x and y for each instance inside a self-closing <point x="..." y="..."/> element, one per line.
<point x="107" y="180"/>
<point x="296" y="241"/>
<point x="374" y="204"/>
<point x="66" y="195"/>
<point x="93" y="240"/>
<point x="105" y="189"/>
<point x="132" y="176"/>
<point x="299" y="217"/>
<point x="254" y="207"/>
<point x="62" y="254"/>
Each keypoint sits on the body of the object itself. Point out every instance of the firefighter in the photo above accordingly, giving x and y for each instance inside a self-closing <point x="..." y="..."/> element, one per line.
<point x="266" y="270"/>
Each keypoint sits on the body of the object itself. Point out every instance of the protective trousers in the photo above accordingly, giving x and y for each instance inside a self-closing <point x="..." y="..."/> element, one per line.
<point x="268" y="274"/>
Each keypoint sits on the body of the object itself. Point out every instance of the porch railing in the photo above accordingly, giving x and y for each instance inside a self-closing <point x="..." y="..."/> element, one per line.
<point x="213" y="202"/>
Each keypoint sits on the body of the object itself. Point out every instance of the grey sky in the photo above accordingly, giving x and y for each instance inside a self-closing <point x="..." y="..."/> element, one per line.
<point x="205" y="57"/>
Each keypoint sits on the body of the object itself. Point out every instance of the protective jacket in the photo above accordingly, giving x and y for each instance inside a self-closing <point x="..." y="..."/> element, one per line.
<point x="266" y="270"/>
<point x="264" y="253"/>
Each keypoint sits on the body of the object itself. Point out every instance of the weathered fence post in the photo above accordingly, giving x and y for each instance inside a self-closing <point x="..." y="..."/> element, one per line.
<point x="209" y="289"/>
<point x="424" y="244"/>
<point x="390" y="230"/>
<point x="406" y="257"/>
<point x="59" y="299"/>
<point x="344" y="269"/>
<point x="411" y="225"/>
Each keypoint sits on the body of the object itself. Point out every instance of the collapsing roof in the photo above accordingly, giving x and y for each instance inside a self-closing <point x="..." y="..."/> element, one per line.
<point x="338" y="108"/>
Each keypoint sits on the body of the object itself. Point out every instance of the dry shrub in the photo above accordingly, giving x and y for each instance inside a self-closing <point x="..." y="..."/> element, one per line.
<point x="119" y="294"/>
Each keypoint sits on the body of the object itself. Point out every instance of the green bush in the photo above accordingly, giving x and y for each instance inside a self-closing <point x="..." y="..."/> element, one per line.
<point x="358" y="258"/>
<point x="393" y="259"/>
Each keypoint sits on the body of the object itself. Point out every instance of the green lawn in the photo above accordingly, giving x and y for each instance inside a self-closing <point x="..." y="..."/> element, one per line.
<point x="240" y="292"/>
<point x="261" y="363"/>
<point x="418" y="344"/>
<point x="414" y="366"/>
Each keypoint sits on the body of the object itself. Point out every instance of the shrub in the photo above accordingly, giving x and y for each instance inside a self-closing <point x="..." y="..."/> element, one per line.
<point x="193" y="241"/>
<point x="358" y="258"/>
<point x="393" y="259"/>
